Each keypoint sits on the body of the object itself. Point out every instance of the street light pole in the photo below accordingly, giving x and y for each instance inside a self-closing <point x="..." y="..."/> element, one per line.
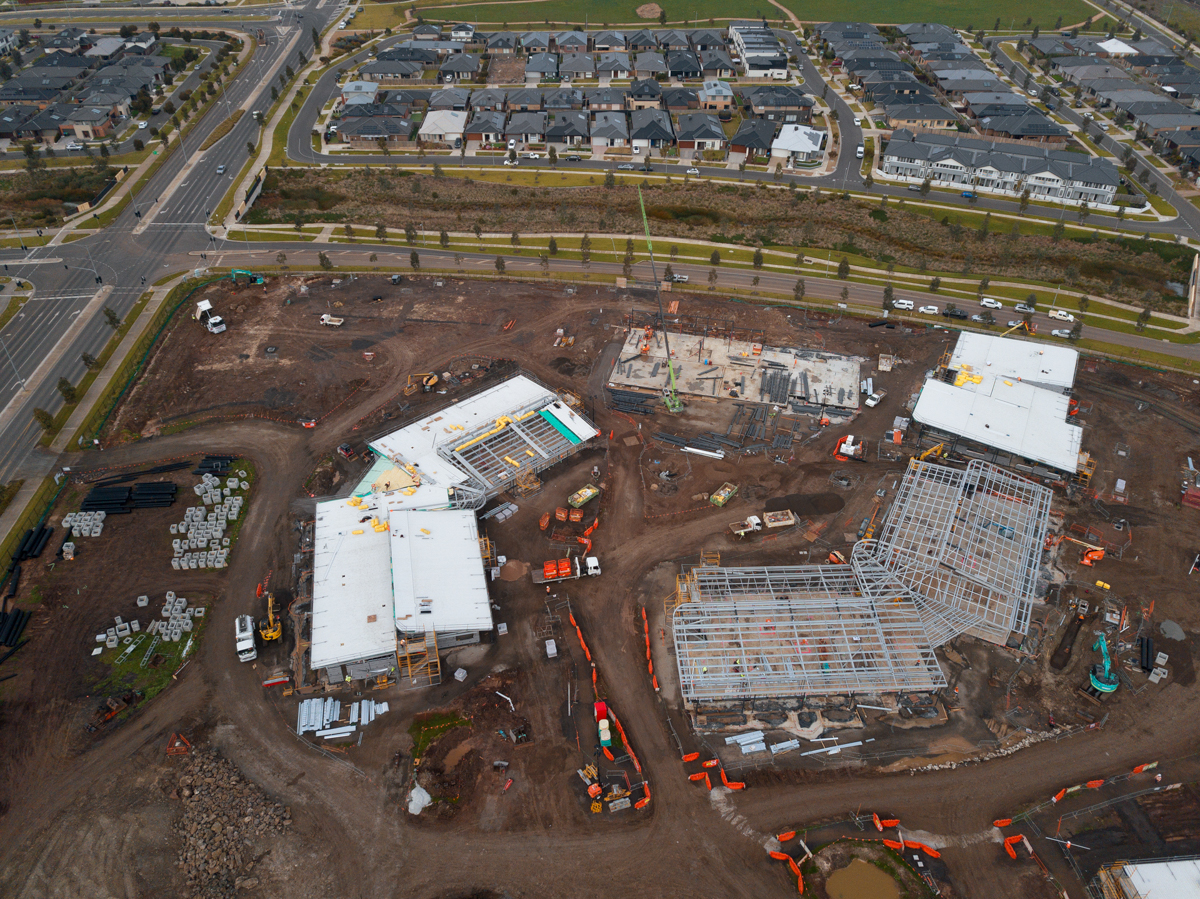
<point x="21" y="239"/>
<point x="20" y="380"/>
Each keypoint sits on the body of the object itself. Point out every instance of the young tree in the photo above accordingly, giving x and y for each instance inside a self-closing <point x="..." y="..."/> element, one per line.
<point x="544" y="262"/>
<point x="89" y="361"/>
<point x="935" y="284"/>
<point x="349" y="229"/>
<point x="1056" y="232"/>
<point x="1084" y="302"/>
<point x="111" y="318"/>
<point x="1076" y="331"/>
<point x="1024" y="204"/>
<point x="1031" y="301"/>
<point x="715" y="258"/>
<point x="1143" y="318"/>
<point x="67" y="390"/>
<point x="44" y="419"/>
<point x="988" y="318"/>
<point x="414" y="260"/>
<point x="610" y="179"/>
<point x="500" y="264"/>
<point x="585" y="249"/>
<point x="515" y="240"/>
<point x="553" y="247"/>
<point x="478" y="232"/>
<point x="281" y="258"/>
<point x="444" y="239"/>
<point x="410" y="233"/>
<point x="889" y="297"/>
<point x="381" y="232"/>
<point x="712" y="278"/>
<point x="925" y="185"/>
<point x="324" y="262"/>
<point x="553" y="156"/>
<point x="843" y="269"/>
<point x="758" y="257"/>
<point x="845" y="294"/>
<point x="668" y="273"/>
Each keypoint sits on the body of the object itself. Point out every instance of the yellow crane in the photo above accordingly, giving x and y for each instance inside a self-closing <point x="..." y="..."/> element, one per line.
<point x="271" y="627"/>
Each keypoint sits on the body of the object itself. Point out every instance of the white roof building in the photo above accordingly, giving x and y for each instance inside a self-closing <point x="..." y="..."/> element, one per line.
<point x="1115" y="47"/>
<point x="438" y="582"/>
<point x="798" y="142"/>
<point x="443" y="125"/>
<point x="1033" y="362"/>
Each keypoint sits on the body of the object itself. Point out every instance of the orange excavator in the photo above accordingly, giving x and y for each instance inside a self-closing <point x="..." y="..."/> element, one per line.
<point x="1091" y="552"/>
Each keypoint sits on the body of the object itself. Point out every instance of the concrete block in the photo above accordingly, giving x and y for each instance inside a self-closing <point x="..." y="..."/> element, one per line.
<point x="111" y="632"/>
<point x="117" y="621"/>
<point x="143" y="601"/>
<point x="100" y="638"/>
<point x="111" y="642"/>
<point x="135" y="625"/>
<point x="97" y="650"/>
<point x="187" y="625"/>
<point x="199" y="611"/>
<point x="123" y="630"/>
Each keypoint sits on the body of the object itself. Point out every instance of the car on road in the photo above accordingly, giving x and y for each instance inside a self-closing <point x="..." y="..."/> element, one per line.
<point x="1061" y="332"/>
<point x="512" y="162"/>
<point x="679" y="279"/>
<point x="533" y="155"/>
<point x="969" y="194"/>
<point x="626" y="167"/>
<point x="928" y="310"/>
<point x="346" y="451"/>
<point x="904" y="305"/>
<point x="1016" y="323"/>
<point x="1061" y="315"/>
<point x="693" y="171"/>
<point x="221" y="169"/>
<point x="142" y="125"/>
<point x="915" y="188"/>
<point x="989" y="303"/>
<point x="74" y="146"/>
<point x="1023" y="308"/>
<point x="979" y="319"/>
<point x="574" y="158"/>
<point x="954" y="313"/>
<point x="1088" y="115"/>
<point x="860" y="152"/>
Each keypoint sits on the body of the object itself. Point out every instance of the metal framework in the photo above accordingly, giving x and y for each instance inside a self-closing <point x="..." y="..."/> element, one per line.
<point x="958" y="553"/>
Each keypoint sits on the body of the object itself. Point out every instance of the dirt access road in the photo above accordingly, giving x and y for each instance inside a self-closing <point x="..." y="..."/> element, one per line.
<point x="97" y="823"/>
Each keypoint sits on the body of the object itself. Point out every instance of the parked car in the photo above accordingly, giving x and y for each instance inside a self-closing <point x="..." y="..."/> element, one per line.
<point x="626" y="167"/>
<point x="905" y="305"/>
<point x="860" y="152"/>
<point x="1023" y="308"/>
<point x="1061" y="332"/>
<point x="74" y="146"/>
<point x="954" y="313"/>
<point x="512" y="143"/>
<point x="679" y="279"/>
<point x="979" y="319"/>
<point x="989" y="303"/>
<point x="512" y="162"/>
<point x="1061" y="315"/>
<point x="142" y="125"/>
<point x="1016" y="323"/>
<point x="915" y="188"/>
<point x="533" y="155"/>
<point x="969" y="194"/>
<point x="574" y="158"/>
<point x="928" y="310"/>
<point x="693" y="171"/>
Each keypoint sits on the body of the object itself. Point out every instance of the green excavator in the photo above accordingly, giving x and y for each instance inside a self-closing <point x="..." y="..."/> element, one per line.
<point x="1103" y="678"/>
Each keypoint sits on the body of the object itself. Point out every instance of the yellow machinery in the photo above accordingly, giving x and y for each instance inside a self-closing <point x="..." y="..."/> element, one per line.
<point x="1031" y="328"/>
<point x="271" y="627"/>
<point x="425" y="380"/>
<point x="934" y="451"/>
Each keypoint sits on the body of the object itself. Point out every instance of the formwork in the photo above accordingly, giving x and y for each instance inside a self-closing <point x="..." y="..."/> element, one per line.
<point x="958" y="553"/>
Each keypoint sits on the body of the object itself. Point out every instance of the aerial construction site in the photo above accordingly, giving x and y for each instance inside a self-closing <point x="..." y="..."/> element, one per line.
<point x="438" y="577"/>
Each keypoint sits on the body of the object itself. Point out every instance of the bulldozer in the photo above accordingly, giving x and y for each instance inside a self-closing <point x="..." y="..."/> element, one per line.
<point x="271" y="627"/>
<point x="424" y="381"/>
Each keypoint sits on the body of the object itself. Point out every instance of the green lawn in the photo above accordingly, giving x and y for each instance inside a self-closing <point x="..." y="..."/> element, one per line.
<point x="601" y="13"/>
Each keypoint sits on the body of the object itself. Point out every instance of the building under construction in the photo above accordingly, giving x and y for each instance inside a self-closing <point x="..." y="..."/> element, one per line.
<point x="958" y="553"/>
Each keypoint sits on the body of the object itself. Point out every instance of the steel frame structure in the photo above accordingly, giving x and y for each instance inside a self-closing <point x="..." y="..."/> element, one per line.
<point x="958" y="553"/>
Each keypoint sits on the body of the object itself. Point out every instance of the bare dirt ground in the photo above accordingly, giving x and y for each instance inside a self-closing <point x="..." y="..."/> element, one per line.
<point x="95" y="816"/>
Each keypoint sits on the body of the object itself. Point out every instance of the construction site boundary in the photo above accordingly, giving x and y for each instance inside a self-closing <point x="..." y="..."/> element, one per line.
<point x="34" y="516"/>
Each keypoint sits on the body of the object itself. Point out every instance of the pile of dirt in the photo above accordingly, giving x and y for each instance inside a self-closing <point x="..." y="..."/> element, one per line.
<point x="224" y="819"/>
<point x="807" y="505"/>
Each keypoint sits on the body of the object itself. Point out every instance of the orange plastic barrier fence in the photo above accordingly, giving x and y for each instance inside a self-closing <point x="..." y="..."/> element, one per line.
<point x="646" y="787"/>
<point x="878" y="823"/>
<point x="707" y="782"/>
<point x="654" y="678"/>
<point x="711" y="763"/>
<point x="735" y="785"/>
<point x="1002" y="822"/>
<point x="800" y="884"/>
<point x="909" y="844"/>
<point x="893" y="844"/>
<point x="571" y="616"/>
<point x="1009" y="849"/>
<point x="891" y="822"/>
<point x="700" y="775"/>
<point x="641" y="803"/>
<point x="651" y="664"/>
<point x="1095" y="784"/>
<point x="593" y="679"/>
<point x="643" y="613"/>
<point x="608" y="755"/>
<point x="691" y="757"/>
<point x="1059" y="795"/>
<point x="795" y="867"/>
<point x="781" y="856"/>
<point x="932" y="853"/>
<point x="1013" y="840"/>
<point x="785" y="836"/>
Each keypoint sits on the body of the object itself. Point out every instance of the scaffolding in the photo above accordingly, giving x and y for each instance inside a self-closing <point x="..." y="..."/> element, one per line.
<point x="958" y="553"/>
<point x="418" y="661"/>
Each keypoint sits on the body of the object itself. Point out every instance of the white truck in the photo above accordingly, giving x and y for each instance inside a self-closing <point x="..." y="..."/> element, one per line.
<point x="876" y="398"/>
<point x="567" y="570"/>
<point x="246" y="650"/>
<point x="742" y="528"/>
<point x="204" y="314"/>
<point x="331" y="321"/>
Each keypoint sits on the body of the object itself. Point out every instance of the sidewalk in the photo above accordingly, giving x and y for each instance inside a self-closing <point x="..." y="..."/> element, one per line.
<point x="115" y="361"/>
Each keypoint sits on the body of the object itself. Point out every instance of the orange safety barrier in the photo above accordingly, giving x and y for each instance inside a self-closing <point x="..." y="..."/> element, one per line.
<point x="646" y="787"/>
<point x="800" y="884"/>
<point x="795" y="867"/>
<point x="641" y="803"/>
<point x="893" y="844"/>
<point x="785" y="836"/>
<point x="699" y="775"/>
<point x="571" y="616"/>
<point x="1059" y="795"/>
<point x="655" y="679"/>
<point x="711" y="763"/>
<point x="1002" y="822"/>
<point x="593" y="678"/>
<point x="1015" y="838"/>
<point x="890" y="822"/>
<point x="643" y="613"/>
<point x="932" y="853"/>
<point x="878" y="823"/>
<point x="909" y="844"/>
<point x="735" y="785"/>
<point x="1012" y="853"/>
<point x="707" y="783"/>
<point x="691" y="757"/>
<point x="1095" y="784"/>
<point x="781" y="856"/>
<point x="608" y="755"/>
<point x="651" y="665"/>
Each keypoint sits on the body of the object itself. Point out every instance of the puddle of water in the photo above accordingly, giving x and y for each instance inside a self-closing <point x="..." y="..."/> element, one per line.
<point x="861" y="880"/>
<point x="455" y="755"/>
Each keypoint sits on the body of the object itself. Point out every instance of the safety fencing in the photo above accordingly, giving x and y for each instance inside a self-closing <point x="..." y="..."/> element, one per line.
<point x="33" y="517"/>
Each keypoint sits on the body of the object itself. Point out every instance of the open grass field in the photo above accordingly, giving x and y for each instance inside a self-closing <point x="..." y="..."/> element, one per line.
<point x="599" y="13"/>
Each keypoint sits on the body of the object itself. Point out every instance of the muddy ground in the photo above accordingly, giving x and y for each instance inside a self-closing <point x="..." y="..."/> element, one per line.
<point x="539" y="838"/>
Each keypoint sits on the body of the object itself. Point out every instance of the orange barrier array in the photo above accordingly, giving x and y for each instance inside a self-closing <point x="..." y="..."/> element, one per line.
<point x="608" y="755"/>
<point x="800" y="884"/>
<point x="781" y="856"/>
<point x="891" y="822"/>
<point x="893" y="844"/>
<point x="1095" y="784"/>
<point x="1002" y="822"/>
<point x="787" y="835"/>
<point x="878" y="823"/>
<point x="691" y="757"/>
<point x="1059" y="795"/>
<point x="795" y="867"/>
<point x="699" y="775"/>
<point x="731" y="784"/>
<point x="711" y="763"/>
<point x="708" y="783"/>
<point x="1009" y="842"/>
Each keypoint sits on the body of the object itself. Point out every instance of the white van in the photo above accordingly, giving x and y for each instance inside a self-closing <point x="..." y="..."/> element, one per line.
<point x="1061" y="315"/>
<point x="246" y="650"/>
<point x="903" y="304"/>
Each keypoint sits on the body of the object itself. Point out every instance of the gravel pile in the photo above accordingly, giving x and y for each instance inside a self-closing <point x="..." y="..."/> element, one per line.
<point x="224" y="827"/>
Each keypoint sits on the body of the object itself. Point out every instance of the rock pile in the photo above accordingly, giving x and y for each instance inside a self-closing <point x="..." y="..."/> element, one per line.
<point x="224" y="826"/>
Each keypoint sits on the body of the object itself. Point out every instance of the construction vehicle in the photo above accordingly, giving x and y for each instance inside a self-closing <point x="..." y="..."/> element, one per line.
<point x="875" y="398"/>
<point x="249" y="274"/>
<point x="205" y="315"/>
<point x="271" y="627"/>
<point x="568" y="569"/>
<point x="1103" y="678"/>
<point x="784" y="519"/>
<point x="1091" y="552"/>
<point x="424" y="381"/>
<point x="934" y="451"/>
<point x="742" y="528"/>
<point x="846" y="449"/>
<point x="244" y="639"/>
<point x="1029" y="327"/>
<point x="1091" y="556"/>
<point x="671" y="400"/>
<point x="332" y="321"/>
<point x="836" y="558"/>
<point x="723" y="494"/>
<point x="583" y="496"/>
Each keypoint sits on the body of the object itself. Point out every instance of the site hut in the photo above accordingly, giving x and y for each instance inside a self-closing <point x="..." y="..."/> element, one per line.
<point x="1007" y="401"/>
<point x="398" y="569"/>
<point x="959" y="552"/>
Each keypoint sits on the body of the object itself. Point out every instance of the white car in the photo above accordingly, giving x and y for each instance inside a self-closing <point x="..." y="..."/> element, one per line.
<point x="142" y="125"/>
<point x="989" y="303"/>
<point x="533" y="155"/>
<point x="1016" y="323"/>
<point x="74" y="146"/>
<point x="512" y="143"/>
<point x="693" y="171"/>
<point x="512" y="162"/>
<point x="1061" y="315"/>
<point x="928" y="310"/>
<point x="1059" y="332"/>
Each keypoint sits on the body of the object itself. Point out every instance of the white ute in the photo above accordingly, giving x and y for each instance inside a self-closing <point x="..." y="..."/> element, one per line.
<point x="204" y="314"/>
<point x="246" y="650"/>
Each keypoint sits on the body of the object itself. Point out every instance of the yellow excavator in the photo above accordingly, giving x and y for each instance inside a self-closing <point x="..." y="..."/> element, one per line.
<point x="271" y="627"/>
<point x="425" y="380"/>
<point x="1029" y="327"/>
<point x="935" y="451"/>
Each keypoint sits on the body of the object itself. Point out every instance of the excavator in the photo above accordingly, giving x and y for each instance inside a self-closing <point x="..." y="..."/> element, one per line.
<point x="1091" y="552"/>
<point x="271" y="627"/>
<point x="424" y="381"/>
<point x="935" y="451"/>
<point x="1027" y="326"/>
<point x="1103" y="678"/>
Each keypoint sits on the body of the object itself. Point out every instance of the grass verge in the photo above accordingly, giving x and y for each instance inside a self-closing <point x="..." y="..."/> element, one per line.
<point x="221" y="130"/>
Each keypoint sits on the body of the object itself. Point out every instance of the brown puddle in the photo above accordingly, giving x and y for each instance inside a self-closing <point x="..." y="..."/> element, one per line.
<point x="861" y="880"/>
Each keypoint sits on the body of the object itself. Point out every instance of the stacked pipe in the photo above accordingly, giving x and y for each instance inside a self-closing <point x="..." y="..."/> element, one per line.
<point x="32" y="544"/>
<point x="214" y="465"/>
<point x="12" y="625"/>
